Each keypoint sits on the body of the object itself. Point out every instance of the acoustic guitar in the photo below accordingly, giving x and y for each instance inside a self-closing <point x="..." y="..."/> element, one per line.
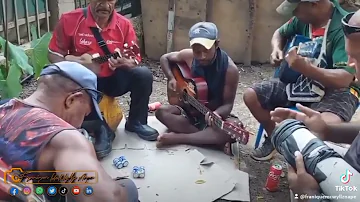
<point x="306" y="47"/>
<point x="192" y="93"/>
<point x="129" y="51"/>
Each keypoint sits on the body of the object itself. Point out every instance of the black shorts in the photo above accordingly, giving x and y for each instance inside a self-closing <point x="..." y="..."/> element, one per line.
<point x="272" y="94"/>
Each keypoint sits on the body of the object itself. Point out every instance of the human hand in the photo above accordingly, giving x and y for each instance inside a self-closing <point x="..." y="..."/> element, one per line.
<point x="276" y="57"/>
<point x="172" y="84"/>
<point x="300" y="182"/>
<point x="209" y="118"/>
<point x="295" y="61"/>
<point x="311" y="118"/>
<point x="119" y="62"/>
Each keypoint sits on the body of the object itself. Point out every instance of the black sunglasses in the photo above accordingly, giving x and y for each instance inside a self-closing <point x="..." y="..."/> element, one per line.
<point x="97" y="95"/>
<point x="348" y="29"/>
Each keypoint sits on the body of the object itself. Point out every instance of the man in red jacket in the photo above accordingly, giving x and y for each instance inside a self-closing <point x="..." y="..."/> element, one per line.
<point x="99" y="30"/>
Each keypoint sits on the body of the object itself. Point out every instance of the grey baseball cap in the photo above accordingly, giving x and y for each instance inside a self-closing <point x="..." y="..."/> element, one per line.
<point x="288" y="6"/>
<point x="203" y="33"/>
<point x="80" y="75"/>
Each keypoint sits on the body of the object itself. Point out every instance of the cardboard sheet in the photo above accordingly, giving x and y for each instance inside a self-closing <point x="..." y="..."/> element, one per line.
<point x="174" y="176"/>
<point x="130" y="140"/>
<point x="180" y="173"/>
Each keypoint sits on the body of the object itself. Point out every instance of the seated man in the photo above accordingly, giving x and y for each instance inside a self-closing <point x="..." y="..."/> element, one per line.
<point x="40" y="132"/>
<point x="301" y="182"/>
<point x="206" y="60"/>
<point x="80" y="32"/>
<point x="313" y="119"/>
<point x="338" y="100"/>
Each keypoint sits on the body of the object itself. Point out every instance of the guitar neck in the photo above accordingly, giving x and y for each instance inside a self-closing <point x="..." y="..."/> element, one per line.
<point x="105" y="58"/>
<point x="203" y="110"/>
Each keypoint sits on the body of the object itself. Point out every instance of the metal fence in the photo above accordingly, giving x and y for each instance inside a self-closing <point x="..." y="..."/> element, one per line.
<point x="124" y="7"/>
<point x="23" y="19"/>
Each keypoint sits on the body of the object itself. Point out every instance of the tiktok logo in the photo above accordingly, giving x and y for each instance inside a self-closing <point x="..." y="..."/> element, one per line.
<point x="345" y="178"/>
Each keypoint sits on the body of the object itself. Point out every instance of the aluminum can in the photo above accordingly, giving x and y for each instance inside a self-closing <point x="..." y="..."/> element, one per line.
<point x="273" y="179"/>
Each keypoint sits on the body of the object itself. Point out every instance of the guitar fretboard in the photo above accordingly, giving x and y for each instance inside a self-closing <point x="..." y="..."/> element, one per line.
<point x="203" y="110"/>
<point x="105" y="58"/>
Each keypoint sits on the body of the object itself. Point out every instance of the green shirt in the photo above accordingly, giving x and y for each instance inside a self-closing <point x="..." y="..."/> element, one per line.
<point x="336" y="56"/>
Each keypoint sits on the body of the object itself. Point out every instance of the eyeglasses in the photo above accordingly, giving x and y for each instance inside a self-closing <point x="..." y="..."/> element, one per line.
<point x="348" y="29"/>
<point x="95" y="94"/>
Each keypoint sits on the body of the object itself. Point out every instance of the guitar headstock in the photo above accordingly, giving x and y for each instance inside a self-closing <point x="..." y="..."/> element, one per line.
<point x="310" y="49"/>
<point x="131" y="51"/>
<point x="237" y="131"/>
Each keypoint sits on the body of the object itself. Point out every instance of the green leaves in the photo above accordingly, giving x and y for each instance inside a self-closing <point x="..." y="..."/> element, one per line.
<point x="17" y="54"/>
<point x="18" y="64"/>
<point x="13" y="80"/>
<point x="11" y="87"/>
<point x="39" y="57"/>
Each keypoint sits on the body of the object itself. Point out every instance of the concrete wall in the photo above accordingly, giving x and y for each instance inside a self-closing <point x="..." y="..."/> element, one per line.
<point x="232" y="18"/>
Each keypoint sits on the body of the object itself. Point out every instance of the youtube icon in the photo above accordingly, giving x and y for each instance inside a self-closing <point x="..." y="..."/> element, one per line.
<point x="75" y="190"/>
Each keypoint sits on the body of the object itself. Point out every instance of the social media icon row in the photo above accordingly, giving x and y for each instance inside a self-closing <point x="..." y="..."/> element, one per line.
<point x="52" y="191"/>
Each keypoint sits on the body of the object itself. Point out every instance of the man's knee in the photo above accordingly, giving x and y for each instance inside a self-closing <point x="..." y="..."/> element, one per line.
<point x="143" y="74"/>
<point x="131" y="189"/>
<point x="250" y="97"/>
<point x="165" y="110"/>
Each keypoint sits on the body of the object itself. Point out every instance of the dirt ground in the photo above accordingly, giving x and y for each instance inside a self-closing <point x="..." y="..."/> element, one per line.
<point x="258" y="171"/>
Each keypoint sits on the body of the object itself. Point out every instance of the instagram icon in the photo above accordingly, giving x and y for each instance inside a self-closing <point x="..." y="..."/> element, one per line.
<point x="26" y="191"/>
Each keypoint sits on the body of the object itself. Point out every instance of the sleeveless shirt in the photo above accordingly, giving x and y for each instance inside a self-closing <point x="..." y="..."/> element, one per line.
<point x="214" y="75"/>
<point x="24" y="131"/>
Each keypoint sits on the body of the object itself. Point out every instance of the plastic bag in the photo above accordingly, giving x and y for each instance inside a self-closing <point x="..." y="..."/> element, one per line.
<point x="111" y="111"/>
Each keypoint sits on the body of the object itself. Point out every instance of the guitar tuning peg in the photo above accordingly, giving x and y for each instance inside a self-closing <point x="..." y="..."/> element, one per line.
<point x="126" y="45"/>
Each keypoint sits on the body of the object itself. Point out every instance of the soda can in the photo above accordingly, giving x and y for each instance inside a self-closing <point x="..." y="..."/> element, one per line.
<point x="125" y="163"/>
<point x="273" y="179"/>
<point x="116" y="160"/>
<point x="119" y="164"/>
<point x="135" y="172"/>
<point x="141" y="172"/>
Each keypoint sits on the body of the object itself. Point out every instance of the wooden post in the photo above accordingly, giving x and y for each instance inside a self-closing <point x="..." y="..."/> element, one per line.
<point x="251" y="26"/>
<point x="171" y="26"/>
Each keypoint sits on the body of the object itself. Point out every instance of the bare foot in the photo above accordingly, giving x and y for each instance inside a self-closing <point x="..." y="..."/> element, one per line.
<point x="165" y="139"/>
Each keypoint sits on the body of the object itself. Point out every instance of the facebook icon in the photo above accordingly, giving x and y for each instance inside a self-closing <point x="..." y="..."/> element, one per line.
<point x="14" y="191"/>
<point x="89" y="191"/>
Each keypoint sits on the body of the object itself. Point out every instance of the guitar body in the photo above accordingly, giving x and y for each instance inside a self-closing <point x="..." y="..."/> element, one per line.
<point x="195" y="87"/>
<point x="286" y="74"/>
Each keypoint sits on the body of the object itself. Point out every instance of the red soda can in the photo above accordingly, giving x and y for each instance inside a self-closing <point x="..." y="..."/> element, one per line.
<point x="273" y="179"/>
<point x="154" y="106"/>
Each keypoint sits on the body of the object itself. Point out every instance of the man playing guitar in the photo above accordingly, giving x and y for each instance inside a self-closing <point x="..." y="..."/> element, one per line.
<point x="100" y="30"/>
<point x="325" y="86"/>
<point x="208" y="61"/>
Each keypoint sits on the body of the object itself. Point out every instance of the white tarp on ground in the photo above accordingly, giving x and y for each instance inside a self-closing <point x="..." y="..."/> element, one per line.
<point x="179" y="173"/>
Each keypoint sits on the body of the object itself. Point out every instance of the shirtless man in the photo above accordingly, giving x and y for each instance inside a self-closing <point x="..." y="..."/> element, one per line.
<point x="206" y="60"/>
<point x="40" y="132"/>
